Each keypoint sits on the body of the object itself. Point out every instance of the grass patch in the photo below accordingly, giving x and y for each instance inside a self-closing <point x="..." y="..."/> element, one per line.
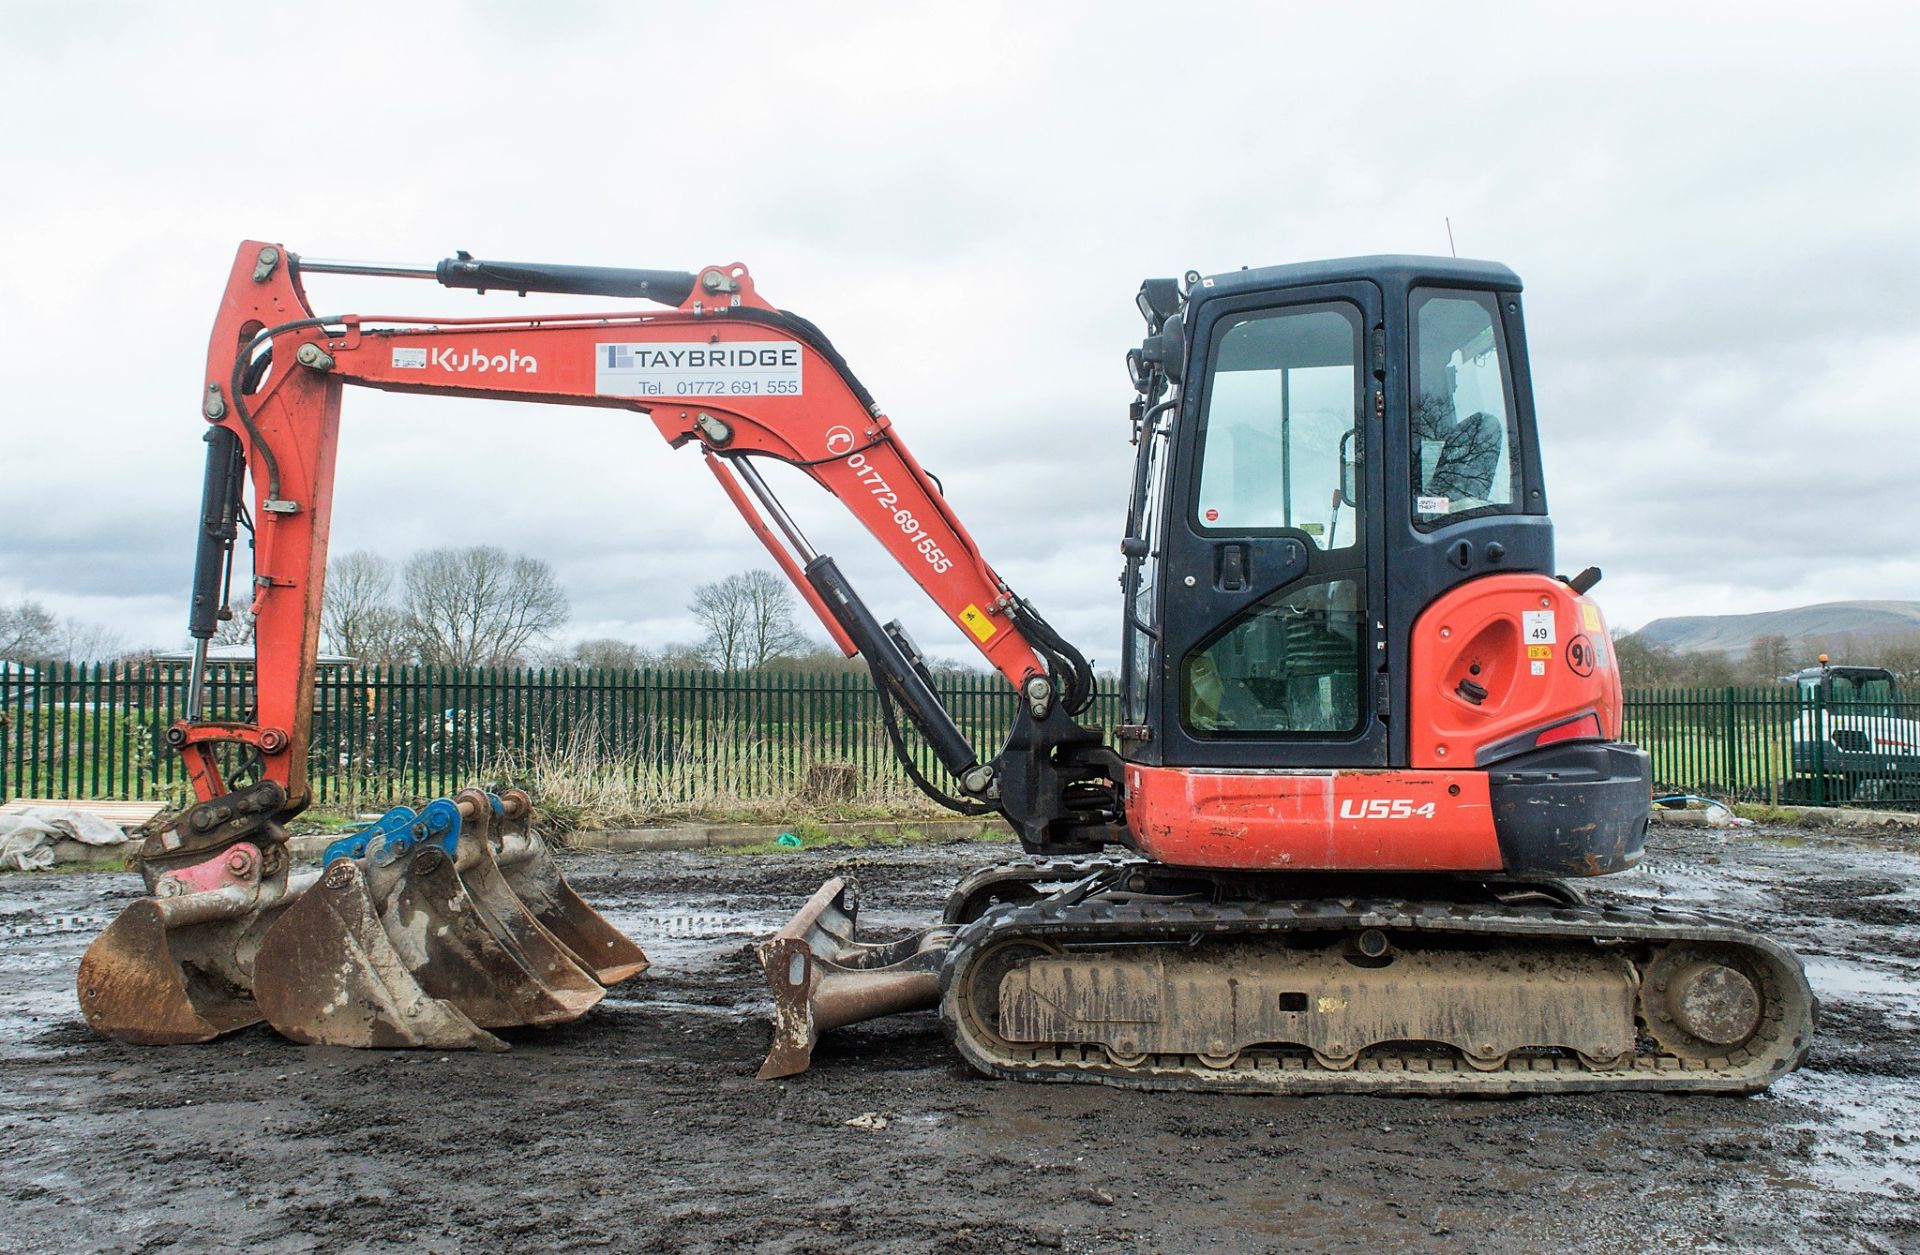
<point x="579" y="785"/>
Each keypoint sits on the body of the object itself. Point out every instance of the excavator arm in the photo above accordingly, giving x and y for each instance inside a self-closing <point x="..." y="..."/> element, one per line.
<point x="721" y="369"/>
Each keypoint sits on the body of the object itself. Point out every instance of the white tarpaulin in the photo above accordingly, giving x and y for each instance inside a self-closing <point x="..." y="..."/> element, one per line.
<point x="27" y="837"/>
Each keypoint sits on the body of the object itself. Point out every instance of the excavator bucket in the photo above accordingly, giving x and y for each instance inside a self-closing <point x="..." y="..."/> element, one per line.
<point x="821" y="978"/>
<point x="534" y="877"/>
<point x="415" y="937"/>
<point x="177" y="966"/>
<point x="413" y="934"/>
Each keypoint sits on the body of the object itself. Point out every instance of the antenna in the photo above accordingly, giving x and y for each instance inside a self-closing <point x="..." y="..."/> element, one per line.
<point x="1450" y="247"/>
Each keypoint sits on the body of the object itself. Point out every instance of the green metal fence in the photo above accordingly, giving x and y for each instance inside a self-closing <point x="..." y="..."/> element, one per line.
<point x="1778" y="745"/>
<point x="660" y="738"/>
<point x="667" y="738"/>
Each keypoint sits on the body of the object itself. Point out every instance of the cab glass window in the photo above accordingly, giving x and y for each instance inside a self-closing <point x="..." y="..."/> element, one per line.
<point x="1290" y="663"/>
<point x="1281" y="431"/>
<point x="1463" y="421"/>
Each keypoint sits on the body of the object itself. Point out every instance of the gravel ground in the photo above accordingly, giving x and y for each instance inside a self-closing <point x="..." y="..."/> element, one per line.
<point x="641" y="1128"/>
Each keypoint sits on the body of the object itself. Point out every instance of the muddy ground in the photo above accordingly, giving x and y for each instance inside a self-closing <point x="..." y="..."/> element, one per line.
<point x="641" y="1128"/>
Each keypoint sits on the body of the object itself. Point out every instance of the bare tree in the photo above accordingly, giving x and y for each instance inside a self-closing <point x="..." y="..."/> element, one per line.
<point x="1768" y="658"/>
<point x="676" y="656"/>
<point x="358" y="617"/>
<point x="605" y="653"/>
<point x="480" y="606"/>
<point x="81" y="641"/>
<point x="1901" y="655"/>
<point x="28" y="632"/>
<point x="748" y="619"/>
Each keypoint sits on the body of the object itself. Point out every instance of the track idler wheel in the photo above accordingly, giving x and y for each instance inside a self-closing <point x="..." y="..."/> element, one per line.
<point x="1700" y="1001"/>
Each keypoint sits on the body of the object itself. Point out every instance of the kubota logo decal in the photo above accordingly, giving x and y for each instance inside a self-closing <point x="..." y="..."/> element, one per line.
<point x="1384" y="808"/>
<point x="512" y="362"/>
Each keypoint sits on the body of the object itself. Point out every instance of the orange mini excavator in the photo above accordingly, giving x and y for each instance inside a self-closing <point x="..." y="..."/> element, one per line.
<point x="1367" y="736"/>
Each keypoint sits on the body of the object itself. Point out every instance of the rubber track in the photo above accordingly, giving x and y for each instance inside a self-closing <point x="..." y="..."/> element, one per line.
<point x="1777" y="1048"/>
<point x="1031" y="869"/>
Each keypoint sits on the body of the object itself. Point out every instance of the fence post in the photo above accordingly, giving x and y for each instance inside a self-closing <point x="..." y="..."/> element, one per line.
<point x="1819" y="733"/>
<point x="1731" y="739"/>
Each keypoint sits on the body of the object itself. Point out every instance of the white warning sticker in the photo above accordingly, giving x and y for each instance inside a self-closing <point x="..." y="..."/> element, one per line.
<point x="736" y="368"/>
<point x="1539" y="668"/>
<point x="1537" y="627"/>
<point x="409" y="359"/>
<point x="1432" y="505"/>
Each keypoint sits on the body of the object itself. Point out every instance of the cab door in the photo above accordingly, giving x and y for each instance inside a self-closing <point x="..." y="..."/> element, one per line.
<point x="1270" y="647"/>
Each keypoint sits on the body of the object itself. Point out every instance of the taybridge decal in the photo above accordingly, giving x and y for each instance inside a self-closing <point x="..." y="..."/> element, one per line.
<point x="735" y="368"/>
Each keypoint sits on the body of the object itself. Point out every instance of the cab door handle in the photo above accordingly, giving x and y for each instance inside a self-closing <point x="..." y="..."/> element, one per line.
<point x="1231" y="567"/>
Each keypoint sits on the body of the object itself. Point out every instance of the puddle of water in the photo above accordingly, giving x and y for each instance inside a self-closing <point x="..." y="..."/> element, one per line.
<point x="50" y="925"/>
<point x="689" y="924"/>
<point x="1853" y="1142"/>
<point x="1888" y="979"/>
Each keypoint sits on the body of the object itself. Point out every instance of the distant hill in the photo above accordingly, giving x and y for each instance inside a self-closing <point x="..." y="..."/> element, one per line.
<point x="1836" y="623"/>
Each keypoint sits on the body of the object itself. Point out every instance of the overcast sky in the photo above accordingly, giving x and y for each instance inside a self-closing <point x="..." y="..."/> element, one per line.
<point x="1715" y="208"/>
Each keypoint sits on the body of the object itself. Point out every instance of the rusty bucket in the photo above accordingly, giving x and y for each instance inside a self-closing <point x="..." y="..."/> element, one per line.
<point x="177" y="966"/>
<point x="823" y="978"/>
<point x="415" y="932"/>
<point x="414" y="937"/>
<point x="533" y="875"/>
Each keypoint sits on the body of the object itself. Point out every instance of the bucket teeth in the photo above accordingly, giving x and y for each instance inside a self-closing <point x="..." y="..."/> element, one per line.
<point x="822" y="977"/>
<point x="414" y="935"/>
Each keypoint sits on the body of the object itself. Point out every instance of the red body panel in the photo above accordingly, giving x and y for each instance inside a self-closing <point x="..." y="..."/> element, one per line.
<point x="1479" y="633"/>
<point x="1313" y="820"/>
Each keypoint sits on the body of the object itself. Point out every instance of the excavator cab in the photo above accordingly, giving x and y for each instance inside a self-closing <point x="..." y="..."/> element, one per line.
<point x="1334" y="459"/>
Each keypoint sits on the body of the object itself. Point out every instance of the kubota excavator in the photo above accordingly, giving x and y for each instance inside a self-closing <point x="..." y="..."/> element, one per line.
<point x="1367" y="737"/>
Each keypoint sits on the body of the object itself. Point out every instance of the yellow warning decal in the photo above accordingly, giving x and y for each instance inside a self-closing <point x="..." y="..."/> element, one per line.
<point x="1538" y="652"/>
<point x="1589" y="616"/>
<point x="978" y="623"/>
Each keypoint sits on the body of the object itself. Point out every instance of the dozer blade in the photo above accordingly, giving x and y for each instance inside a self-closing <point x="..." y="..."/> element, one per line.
<point x="533" y="875"/>
<point x="822" y="978"/>
<point x="177" y="967"/>
<point x="327" y="974"/>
